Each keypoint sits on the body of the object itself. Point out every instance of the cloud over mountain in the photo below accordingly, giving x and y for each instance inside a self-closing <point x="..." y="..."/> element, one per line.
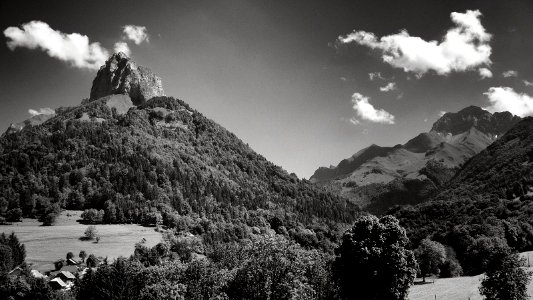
<point x="73" y="48"/>
<point x="510" y="73"/>
<point x="506" y="99"/>
<point x="485" y="73"/>
<point x="122" y="47"/>
<point x="391" y="86"/>
<point x="368" y="112"/>
<point x="137" y="34"/>
<point x="464" y="47"/>
<point x="41" y="111"/>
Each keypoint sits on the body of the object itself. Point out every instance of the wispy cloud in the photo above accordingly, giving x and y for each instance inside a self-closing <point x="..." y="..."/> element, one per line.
<point x="135" y="33"/>
<point x="485" y="73"/>
<point x="122" y="47"/>
<point x="391" y="86"/>
<point x="41" y="111"/>
<point x="510" y="73"/>
<point x="506" y="99"/>
<point x="366" y="111"/>
<point x="375" y="75"/>
<point x="73" y="48"/>
<point x="464" y="47"/>
<point x="527" y="83"/>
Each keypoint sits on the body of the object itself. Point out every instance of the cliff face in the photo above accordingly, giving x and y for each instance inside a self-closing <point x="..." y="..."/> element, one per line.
<point x="121" y="75"/>
<point x="476" y="117"/>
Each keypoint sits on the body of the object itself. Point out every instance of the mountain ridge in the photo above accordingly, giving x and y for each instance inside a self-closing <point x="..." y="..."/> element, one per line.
<point x="140" y="160"/>
<point x="452" y="140"/>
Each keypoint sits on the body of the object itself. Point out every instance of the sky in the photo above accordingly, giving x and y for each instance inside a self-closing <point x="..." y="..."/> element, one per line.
<point x="304" y="83"/>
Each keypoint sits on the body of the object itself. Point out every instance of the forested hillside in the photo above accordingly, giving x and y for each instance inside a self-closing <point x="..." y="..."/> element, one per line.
<point x="487" y="205"/>
<point x="159" y="162"/>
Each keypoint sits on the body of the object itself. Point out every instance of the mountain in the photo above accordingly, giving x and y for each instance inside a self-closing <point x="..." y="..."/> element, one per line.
<point x="141" y="157"/>
<point x="379" y="177"/>
<point x="489" y="200"/>
<point x="504" y="169"/>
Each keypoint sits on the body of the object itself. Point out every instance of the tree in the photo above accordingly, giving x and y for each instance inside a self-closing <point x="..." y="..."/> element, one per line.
<point x="91" y="261"/>
<point x="505" y="279"/>
<point x="83" y="255"/>
<point x="6" y="259"/>
<point x="483" y="251"/>
<point x="90" y="232"/>
<point x="373" y="262"/>
<point x="70" y="255"/>
<point x="430" y="255"/>
<point x="59" y="264"/>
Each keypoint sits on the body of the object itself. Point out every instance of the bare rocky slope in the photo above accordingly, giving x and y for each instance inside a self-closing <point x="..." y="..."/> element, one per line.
<point x="379" y="177"/>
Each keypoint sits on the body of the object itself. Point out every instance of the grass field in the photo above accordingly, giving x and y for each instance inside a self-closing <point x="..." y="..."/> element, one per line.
<point x="459" y="288"/>
<point x="46" y="244"/>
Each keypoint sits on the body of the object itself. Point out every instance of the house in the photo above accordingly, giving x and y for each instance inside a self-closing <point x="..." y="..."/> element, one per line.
<point x="71" y="269"/>
<point x="57" y="283"/>
<point x="37" y="274"/>
<point x="66" y="276"/>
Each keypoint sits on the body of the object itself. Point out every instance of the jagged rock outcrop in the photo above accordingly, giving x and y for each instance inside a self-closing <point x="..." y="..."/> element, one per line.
<point x="473" y="116"/>
<point x="121" y="75"/>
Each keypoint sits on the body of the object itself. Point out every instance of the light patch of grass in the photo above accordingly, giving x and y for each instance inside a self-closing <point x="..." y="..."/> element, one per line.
<point x="458" y="288"/>
<point x="46" y="244"/>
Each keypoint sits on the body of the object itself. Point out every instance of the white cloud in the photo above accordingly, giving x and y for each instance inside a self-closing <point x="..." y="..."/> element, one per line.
<point x="375" y="75"/>
<point x="366" y="111"/>
<point x="527" y="83"/>
<point x="137" y="34"/>
<point x="485" y="73"/>
<point x="506" y="99"/>
<point x="343" y="78"/>
<point x="354" y="121"/>
<point x="441" y="113"/>
<point x="391" y="86"/>
<point x="73" y="48"/>
<point x="510" y="73"/>
<point x="464" y="47"/>
<point x="122" y="47"/>
<point x="41" y="111"/>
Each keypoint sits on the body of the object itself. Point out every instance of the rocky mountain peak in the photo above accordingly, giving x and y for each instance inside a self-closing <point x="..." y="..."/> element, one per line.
<point x="121" y="75"/>
<point x="474" y="116"/>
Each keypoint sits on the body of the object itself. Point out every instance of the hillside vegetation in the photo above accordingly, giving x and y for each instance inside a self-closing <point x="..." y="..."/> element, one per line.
<point x="160" y="162"/>
<point x="487" y="206"/>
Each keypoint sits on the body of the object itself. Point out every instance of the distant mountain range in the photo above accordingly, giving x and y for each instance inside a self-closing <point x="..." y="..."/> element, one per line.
<point x="378" y="177"/>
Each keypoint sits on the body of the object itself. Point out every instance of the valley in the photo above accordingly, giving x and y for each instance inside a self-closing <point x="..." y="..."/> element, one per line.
<point x="47" y="244"/>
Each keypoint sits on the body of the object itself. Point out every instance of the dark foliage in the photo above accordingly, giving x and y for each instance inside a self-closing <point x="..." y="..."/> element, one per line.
<point x="161" y="163"/>
<point x="505" y="279"/>
<point x="373" y="261"/>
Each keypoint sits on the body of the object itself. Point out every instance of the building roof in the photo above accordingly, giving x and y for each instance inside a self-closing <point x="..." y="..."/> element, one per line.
<point x="71" y="269"/>
<point x="66" y="274"/>
<point x="58" y="281"/>
<point x="37" y="274"/>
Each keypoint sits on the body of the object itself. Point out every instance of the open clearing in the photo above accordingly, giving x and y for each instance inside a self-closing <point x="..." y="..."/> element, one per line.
<point x="46" y="244"/>
<point x="459" y="288"/>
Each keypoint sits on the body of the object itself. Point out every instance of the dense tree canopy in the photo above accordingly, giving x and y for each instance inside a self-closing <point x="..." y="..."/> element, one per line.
<point x="505" y="279"/>
<point x="373" y="261"/>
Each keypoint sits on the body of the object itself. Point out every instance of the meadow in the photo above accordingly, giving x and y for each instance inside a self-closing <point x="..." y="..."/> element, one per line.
<point x="458" y="288"/>
<point x="46" y="244"/>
